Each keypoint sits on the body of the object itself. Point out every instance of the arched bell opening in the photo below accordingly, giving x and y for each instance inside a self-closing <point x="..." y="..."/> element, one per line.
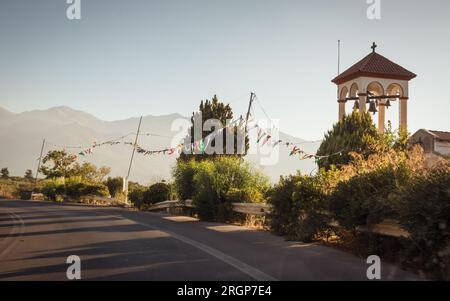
<point x="353" y="94"/>
<point x="343" y="95"/>
<point x="395" y="89"/>
<point x="375" y="89"/>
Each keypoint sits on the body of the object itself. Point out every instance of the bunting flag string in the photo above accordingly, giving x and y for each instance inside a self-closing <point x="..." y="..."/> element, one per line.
<point x="296" y="150"/>
<point x="264" y="138"/>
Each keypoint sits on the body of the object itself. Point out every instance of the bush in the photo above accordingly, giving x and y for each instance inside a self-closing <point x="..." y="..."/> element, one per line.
<point x="245" y="195"/>
<point x="97" y="189"/>
<point x="76" y="187"/>
<point x="115" y="186"/>
<point x="223" y="180"/>
<point x="183" y="174"/>
<point x="158" y="192"/>
<point x="136" y="196"/>
<point x="7" y="190"/>
<point x="282" y="213"/>
<point x="298" y="204"/>
<point x="207" y="196"/>
<point x="424" y="211"/>
<point x="53" y="188"/>
<point x="73" y="187"/>
<point x="365" y="199"/>
<point x="14" y="188"/>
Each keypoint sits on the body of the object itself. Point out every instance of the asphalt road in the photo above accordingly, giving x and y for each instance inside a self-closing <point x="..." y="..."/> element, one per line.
<point x="120" y="244"/>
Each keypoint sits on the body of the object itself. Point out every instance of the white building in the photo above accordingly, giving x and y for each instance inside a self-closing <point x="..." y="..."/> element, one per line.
<point x="432" y="142"/>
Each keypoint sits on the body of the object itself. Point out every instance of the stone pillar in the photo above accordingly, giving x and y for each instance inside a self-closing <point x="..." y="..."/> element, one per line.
<point x="362" y="102"/>
<point x="381" y="115"/>
<point x="403" y="113"/>
<point x="341" y="109"/>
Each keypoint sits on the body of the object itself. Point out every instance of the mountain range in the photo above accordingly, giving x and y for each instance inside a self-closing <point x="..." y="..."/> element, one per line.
<point x="21" y="136"/>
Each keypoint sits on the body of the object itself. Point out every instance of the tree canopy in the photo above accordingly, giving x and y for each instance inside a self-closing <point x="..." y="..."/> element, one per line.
<point x="28" y="174"/>
<point x="59" y="163"/>
<point x="4" y="173"/>
<point x="212" y="109"/>
<point x="355" y="132"/>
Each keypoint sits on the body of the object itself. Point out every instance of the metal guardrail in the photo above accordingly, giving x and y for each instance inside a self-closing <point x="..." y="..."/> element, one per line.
<point x="251" y="208"/>
<point x="388" y="227"/>
<point x="247" y="208"/>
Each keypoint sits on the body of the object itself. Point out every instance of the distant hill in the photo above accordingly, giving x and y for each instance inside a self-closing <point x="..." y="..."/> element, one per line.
<point x="21" y="137"/>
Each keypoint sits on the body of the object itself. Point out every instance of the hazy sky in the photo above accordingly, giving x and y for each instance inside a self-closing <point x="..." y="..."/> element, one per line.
<point x="127" y="58"/>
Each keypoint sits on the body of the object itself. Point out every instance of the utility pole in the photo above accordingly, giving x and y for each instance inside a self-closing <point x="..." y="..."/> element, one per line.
<point x="39" y="163"/>
<point x="131" y="161"/>
<point x="339" y="57"/>
<point x="252" y="96"/>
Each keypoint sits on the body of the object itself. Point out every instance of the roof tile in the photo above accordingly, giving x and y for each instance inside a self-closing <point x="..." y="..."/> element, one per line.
<point x="374" y="65"/>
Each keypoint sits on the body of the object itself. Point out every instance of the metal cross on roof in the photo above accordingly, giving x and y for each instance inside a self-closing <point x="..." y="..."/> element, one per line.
<point x="374" y="46"/>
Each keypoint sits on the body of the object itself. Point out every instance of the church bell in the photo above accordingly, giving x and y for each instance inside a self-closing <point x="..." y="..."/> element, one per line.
<point x="373" y="107"/>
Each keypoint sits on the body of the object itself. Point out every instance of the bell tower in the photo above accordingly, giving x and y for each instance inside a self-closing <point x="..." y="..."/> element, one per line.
<point x="374" y="83"/>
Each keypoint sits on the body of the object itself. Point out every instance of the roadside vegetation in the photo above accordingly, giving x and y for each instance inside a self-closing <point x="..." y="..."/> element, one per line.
<point x="12" y="187"/>
<point x="214" y="185"/>
<point x="369" y="178"/>
<point x="384" y="178"/>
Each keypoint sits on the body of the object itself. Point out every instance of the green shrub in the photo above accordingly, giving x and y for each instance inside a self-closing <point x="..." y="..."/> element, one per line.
<point x="76" y="187"/>
<point x="183" y="174"/>
<point x="245" y="195"/>
<point x="369" y="197"/>
<point x="7" y="189"/>
<point x="16" y="187"/>
<point x="136" y="197"/>
<point x="53" y="188"/>
<point x="283" y="213"/>
<point x="298" y="208"/>
<point x="73" y="187"/>
<point x="207" y="195"/>
<point x="365" y="199"/>
<point x="114" y="185"/>
<point x="424" y="211"/>
<point x="223" y="180"/>
<point x="97" y="189"/>
<point x="310" y="202"/>
<point x="158" y="192"/>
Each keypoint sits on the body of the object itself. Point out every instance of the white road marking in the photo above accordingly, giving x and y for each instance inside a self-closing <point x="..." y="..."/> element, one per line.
<point x="241" y="266"/>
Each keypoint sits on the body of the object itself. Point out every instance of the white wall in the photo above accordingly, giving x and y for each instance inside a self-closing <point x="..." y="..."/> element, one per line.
<point x="442" y="147"/>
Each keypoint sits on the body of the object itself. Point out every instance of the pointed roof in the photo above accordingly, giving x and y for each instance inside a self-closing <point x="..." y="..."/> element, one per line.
<point x="374" y="65"/>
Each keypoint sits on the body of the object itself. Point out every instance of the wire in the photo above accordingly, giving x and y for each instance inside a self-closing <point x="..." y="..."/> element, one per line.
<point x="88" y="146"/>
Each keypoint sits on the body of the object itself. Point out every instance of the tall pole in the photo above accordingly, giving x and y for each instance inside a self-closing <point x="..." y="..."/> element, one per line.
<point x="39" y="162"/>
<point x="132" y="156"/>
<point x="339" y="57"/>
<point x="252" y="96"/>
